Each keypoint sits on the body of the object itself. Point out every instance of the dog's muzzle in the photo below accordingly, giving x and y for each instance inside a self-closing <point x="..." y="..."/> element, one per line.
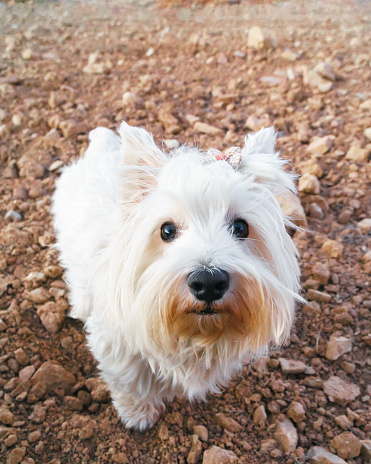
<point x="208" y="284"/>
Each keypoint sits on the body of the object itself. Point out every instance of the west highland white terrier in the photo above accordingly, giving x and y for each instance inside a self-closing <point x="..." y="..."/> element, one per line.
<point x="178" y="263"/>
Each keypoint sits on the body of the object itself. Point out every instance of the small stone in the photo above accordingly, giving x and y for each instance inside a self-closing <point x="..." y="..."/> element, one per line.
<point x="202" y="432"/>
<point x="364" y="225"/>
<point x="325" y="70"/>
<point x="53" y="375"/>
<point x="130" y="99"/>
<point x="319" y="455"/>
<point x="367" y="133"/>
<point x="72" y="403"/>
<point x="34" y="436"/>
<point x="321" y="272"/>
<point x="195" y="450"/>
<point x="259" y="39"/>
<point x="53" y="135"/>
<point x="98" y="389"/>
<point x="38" y="295"/>
<point x="347" y="445"/>
<point x="52" y="316"/>
<point x="71" y="127"/>
<point x="296" y="412"/>
<point x="58" y="164"/>
<point x="286" y="434"/>
<point x="292" y="208"/>
<point x="325" y="87"/>
<point x="310" y="167"/>
<point x="289" y="55"/>
<point x="6" y="416"/>
<point x="227" y="423"/>
<point x="216" y="455"/>
<point x="21" y="356"/>
<point x="260" y="416"/>
<point x="14" y="215"/>
<point x="11" y="440"/>
<point x="366" y="449"/>
<point x="320" y="297"/>
<point x="290" y="366"/>
<point x="337" y="346"/>
<point x="320" y="146"/>
<point x="253" y="123"/>
<point x="16" y="455"/>
<point x="207" y="129"/>
<point x="366" y="105"/>
<point x="339" y="391"/>
<point x="266" y="446"/>
<point x="53" y="271"/>
<point x="332" y="248"/>
<point x="26" y="373"/>
<point x="357" y="154"/>
<point x="38" y="415"/>
<point x="343" y="422"/>
<point x="309" y="184"/>
<point x="95" y="67"/>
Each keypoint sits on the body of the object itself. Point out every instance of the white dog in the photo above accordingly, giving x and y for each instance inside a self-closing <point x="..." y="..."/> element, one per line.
<point x="178" y="263"/>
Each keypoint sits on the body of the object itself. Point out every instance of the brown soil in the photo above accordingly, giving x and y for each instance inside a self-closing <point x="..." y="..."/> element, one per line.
<point x="180" y="62"/>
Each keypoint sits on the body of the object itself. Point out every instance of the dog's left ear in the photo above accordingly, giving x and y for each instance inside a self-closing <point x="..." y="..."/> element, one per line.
<point x="142" y="160"/>
<point x="261" y="161"/>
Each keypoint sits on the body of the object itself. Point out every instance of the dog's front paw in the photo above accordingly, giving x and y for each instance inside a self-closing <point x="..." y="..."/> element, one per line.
<point x="139" y="416"/>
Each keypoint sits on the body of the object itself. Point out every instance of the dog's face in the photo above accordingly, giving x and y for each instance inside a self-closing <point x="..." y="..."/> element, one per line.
<point x="204" y="258"/>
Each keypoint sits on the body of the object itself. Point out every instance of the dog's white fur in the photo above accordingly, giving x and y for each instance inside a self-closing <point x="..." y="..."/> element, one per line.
<point x="129" y="287"/>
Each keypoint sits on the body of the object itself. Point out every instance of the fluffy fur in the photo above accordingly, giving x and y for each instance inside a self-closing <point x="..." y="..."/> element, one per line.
<point x="130" y="287"/>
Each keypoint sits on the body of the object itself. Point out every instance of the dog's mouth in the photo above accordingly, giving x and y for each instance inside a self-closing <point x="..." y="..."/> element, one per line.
<point x="206" y="311"/>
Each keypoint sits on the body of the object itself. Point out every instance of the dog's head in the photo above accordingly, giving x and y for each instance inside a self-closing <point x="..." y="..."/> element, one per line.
<point x="203" y="257"/>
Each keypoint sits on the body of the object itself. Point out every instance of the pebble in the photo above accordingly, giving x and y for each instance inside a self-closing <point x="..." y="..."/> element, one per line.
<point x="337" y="346"/>
<point x="286" y="434"/>
<point x="290" y="366"/>
<point x="21" y="356"/>
<point x="292" y="208"/>
<point x="364" y="225"/>
<point x="343" y="422"/>
<point x="296" y="412"/>
<point x="309" y="183"/>
<point x="26" y="373"/>
<point x="16" y="455"/>
<point x="14" y="215"/>
<point x="259" y="39"/>
<point x="332" y="248"/>
<point x="366" y="105"/>
<point x="339" y="391"/>
<point x="319" y="455"/>
<point x="316" y="295"/>
<point x="34" y="436"/>
<point x="347" y="445"/>
<point x="207" y="129"/>
<point x="38" y="295"/>
<point x="289" y="55"/>
<point x="52" y="316"/>
<point x="357" y="154"/>
<point x="320" y="146"/>
<point x="195" y="450"/>
<point x="266" y="446"/>
<point x="71" y="127"/>
<point x="216" y="455"/>
<point x="38" y="415"/>
<point x="227" y="423"/>
<point x="11" y="440"/>
<point x="171" y="144"/>
<point x="6" y="416"/>
<point x="367" y="133"/>
<point x="325" y="70"/>
<point x="53" y="375"/>
<point x="98" y="389"/>
<point x="311" y="167"/>
<point x="321" y="272"/>
<point x="202" y="432"/>
<point x="72" y="403"/>
<point x="366" y="449"/>
<point x="260" y="416"/>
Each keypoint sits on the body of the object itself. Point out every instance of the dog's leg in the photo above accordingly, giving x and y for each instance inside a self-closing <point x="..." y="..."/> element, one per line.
<point x="138" y="396"/>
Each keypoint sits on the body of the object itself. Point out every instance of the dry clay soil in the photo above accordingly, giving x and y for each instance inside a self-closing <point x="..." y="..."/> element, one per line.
<point x="66" y="68"/>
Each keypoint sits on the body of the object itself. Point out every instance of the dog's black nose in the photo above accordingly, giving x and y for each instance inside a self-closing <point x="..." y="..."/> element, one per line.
<point x="208" y="284"/>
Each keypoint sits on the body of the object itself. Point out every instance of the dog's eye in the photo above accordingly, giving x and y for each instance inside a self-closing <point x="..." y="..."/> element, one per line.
<point x="240" y="229"/>
<point x="168" y="231"/>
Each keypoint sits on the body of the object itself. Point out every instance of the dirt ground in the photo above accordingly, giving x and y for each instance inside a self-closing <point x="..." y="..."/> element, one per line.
<point x="66" y="68"/>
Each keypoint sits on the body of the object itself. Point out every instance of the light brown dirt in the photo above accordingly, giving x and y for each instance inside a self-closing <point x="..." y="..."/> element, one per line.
<point x="160" y="68"/>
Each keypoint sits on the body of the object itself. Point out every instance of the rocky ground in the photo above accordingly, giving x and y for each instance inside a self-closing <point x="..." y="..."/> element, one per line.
<point x="204" y="75"/>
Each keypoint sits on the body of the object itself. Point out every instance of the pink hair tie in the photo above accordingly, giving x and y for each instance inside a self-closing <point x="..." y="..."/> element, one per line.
<point x="233" y="156"/>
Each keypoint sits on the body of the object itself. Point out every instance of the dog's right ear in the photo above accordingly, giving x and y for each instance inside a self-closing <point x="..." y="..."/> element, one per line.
<point x="142" y="160"/>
